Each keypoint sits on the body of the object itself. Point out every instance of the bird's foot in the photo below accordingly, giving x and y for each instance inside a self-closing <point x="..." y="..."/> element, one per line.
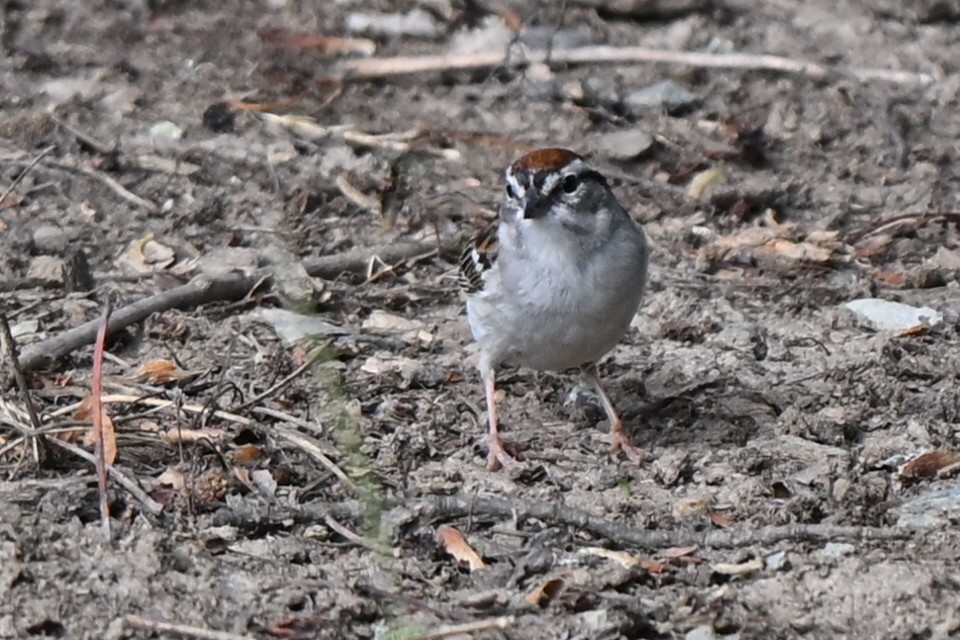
<point x="620" y="441"/>
<point x="498" y="455"/>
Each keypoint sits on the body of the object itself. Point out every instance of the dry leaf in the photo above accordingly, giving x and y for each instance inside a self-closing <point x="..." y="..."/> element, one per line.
<point x="720" y="519"/>
<point x="171" y="477"/>
<point x="9" y="201"/>
<point x="703" y="180"/>
<point x="738" y="569"/>
<point x="455" y="544"/>
<point x="326" y="44"/>
<point x="652" y="566"/>
<point x="146" y="255"/>
<point x="159" y="372"/>
<point x="84" y="413"/>
<point x="929" y="464"/>
<point x="678" y="552"/>
<point x="173" y="436"/>
<point x="246" y="454"/>
<point x="623" y="558"/>
<point x="547" y="590"/>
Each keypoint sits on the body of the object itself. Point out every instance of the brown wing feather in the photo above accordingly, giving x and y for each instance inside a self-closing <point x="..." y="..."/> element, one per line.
<point x="477" y="259"/>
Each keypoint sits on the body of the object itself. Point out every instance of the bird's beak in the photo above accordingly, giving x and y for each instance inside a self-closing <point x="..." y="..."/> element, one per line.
<point x="533" y="207"/>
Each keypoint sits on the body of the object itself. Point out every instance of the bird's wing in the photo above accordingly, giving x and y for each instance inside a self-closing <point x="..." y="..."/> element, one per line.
<point x="477" y="260"/>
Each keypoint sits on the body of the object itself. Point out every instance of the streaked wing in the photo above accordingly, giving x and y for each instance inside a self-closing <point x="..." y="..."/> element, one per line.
<point x="477" y="259"/>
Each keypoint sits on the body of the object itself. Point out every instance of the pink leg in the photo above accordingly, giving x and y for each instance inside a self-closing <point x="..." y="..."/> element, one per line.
<point x="619" y="440"/>
<point x="498" y="454"/>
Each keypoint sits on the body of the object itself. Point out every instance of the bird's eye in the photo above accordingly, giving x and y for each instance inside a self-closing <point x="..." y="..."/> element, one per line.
<point x="570" y="184"/>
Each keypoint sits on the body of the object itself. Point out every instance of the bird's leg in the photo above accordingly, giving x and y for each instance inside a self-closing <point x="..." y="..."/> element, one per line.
<point x="498" y="454"/>
<point x="619" y="440"/>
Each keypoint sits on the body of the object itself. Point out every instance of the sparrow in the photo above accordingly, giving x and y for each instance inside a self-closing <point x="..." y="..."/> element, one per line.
<point x="555" y="284"/>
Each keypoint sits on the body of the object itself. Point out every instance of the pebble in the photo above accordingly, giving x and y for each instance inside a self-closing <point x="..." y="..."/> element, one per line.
<point x="893" y="316"/>
<point x="703" y="632"/>
<point x="667" y="96"/>
<point x="623" y="145"/>
<point x="47" y="271"/>
<point x="50" y="239"/>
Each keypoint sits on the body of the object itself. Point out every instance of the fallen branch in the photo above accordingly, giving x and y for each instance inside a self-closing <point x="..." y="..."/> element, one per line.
<point x="371" y="68"/>
<point x="202" y="291"/>
<point x="199" y="291"/>
<point x="182" y="630"/>
<point x="447" y="507"/>
<point x="629" y="535"/>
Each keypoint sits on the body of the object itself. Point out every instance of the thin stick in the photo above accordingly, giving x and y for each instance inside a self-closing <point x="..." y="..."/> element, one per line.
<point x="184" y="630"/>
<point x="312" y="449"/>
<point x="370" y="68"/>
<point x="10" y="347"/>
<point x="109" y="182"/>
<point x="316" y="355"/>
<point x="359" y="540"/>
<point x="149" y="504"/>
<point x="96" y="393"/>
<point x="23" y="174"/>
<point x="445" y="631"/>
<point x="303" y="441"/>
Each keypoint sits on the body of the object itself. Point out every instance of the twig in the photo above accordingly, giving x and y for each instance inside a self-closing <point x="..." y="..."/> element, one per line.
<point x="85" y="138"/>
<point x="316" y="355"/>
<point x="10" y="348"/>
<point x="312" y="449"/>
<point x="184" y="630"/>
<point x="445" y="631"/>
<point x="882" y="225"/>
<point x="96" y="394"/>
<point x="626" y="534"/>
<point x="23" y="174"/>
<point x="370" y="68"/>
<point x="356" y="260"/>
<point x="359" y="540"/>
<point x="205" y="291"/>
<point x="149" y="504"/>
<point x="109" y="182"/>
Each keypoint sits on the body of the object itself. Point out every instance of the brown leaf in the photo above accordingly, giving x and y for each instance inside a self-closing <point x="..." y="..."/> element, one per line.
<point x="893" y="278"/>
<point x="246" y="454"/>
<point x="325" y="44"/>
<point x="929" y="464"/>
<point x="547" y="590"/>
<point x="652" y="566"/>
<point x="455" y="544"/>
<point x="84" y="413"/>
<point x="160" y="372"/>
<point x="9" y="201"/>
<point x="720" y="519"/>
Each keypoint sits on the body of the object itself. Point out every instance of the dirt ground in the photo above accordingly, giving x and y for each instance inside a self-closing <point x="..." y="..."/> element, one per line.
<point x="301" y="491"/>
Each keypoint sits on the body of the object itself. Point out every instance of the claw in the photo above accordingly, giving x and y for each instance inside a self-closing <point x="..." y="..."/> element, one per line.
<point x="498" y="455"/>
<point x="619" y="441"/>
